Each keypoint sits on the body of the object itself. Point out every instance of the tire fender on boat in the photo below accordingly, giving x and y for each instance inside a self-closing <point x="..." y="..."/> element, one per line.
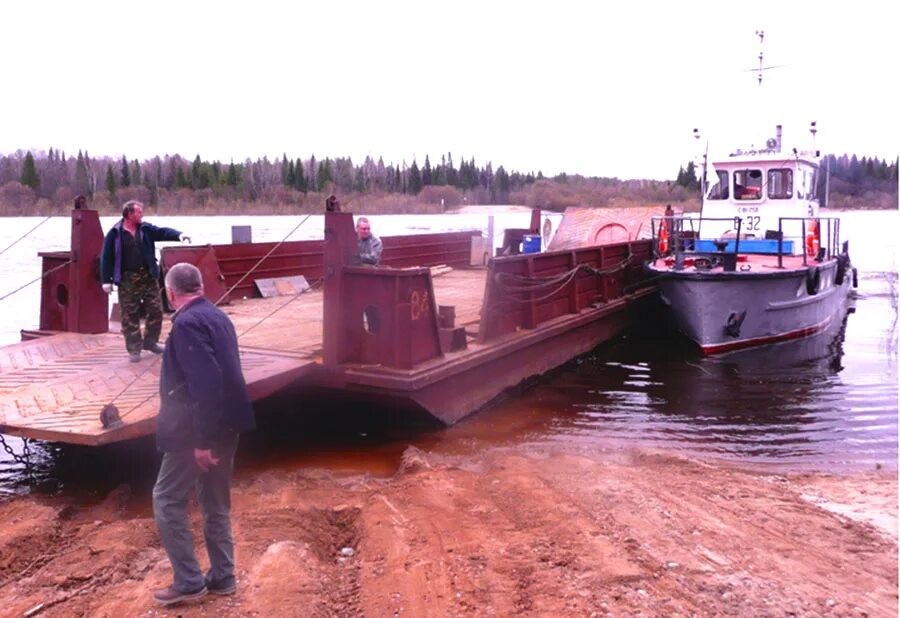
<point x="840" y="272"/>
<point x="813" y="276"/>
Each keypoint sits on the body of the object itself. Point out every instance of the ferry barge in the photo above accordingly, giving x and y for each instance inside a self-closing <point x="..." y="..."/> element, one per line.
<point x="445" y="340"/>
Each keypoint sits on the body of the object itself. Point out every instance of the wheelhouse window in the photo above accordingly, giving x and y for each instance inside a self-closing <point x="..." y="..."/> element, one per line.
<point x="780" y="185"/>
<point x="748" y="184"/>
<point x="719" y="188"/>
<point x="810" y="182"/>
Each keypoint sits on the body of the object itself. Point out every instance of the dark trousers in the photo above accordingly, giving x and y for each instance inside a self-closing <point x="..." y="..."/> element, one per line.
<point x="178" y="475"/>
<point x="139" y="291"/>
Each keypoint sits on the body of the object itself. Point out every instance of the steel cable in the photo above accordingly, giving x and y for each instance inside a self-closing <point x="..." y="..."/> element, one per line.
<point x="22" y="287"/>
<point x="25" y="235"/>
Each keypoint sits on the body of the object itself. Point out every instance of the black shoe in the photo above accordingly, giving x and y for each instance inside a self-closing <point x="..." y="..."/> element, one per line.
<point x="221" y="590"/>
<point x="170" y="596"/>
<point x="154" y="347"/>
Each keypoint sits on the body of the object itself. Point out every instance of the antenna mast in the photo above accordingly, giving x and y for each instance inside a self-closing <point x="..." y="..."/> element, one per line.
<point x="761" y="34"/>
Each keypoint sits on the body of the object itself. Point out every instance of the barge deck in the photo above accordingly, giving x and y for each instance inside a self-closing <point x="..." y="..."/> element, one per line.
<point x="446" y="341"/>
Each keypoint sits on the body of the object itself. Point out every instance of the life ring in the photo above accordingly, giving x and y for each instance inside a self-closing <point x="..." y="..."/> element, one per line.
<point x="663" y="244"/>
<point x="812" y="238"/>
<point x="813" y="277"/>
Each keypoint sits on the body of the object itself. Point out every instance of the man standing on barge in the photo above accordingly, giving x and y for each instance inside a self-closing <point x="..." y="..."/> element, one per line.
<point x="129" y="261"/>
<point x="369" y="244"/>
<point x="204" y="406"/>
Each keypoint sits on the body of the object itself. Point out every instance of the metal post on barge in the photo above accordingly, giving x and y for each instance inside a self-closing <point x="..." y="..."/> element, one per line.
<point x="72" y="298"/>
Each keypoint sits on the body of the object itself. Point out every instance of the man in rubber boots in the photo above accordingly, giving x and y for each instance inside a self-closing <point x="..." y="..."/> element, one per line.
<point x="129" y="261"/>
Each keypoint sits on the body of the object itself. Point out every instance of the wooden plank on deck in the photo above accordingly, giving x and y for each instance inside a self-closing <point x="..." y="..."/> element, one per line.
<point x="53" y="388"/>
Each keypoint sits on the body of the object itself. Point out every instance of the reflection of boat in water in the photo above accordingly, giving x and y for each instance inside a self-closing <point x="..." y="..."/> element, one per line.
<point x="759" y="266"/>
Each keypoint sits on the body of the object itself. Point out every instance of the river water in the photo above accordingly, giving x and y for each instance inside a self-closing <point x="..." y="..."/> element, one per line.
<point x="825" y="403"/>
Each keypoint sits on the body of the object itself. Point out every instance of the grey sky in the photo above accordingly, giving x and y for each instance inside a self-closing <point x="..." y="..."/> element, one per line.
<point x="598" y="88"/>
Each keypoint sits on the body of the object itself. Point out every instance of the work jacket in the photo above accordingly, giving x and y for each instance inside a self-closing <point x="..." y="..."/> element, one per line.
<point x="203" y="396"/>
<point x="369" y="249"/>
<point x="111" y="257"/>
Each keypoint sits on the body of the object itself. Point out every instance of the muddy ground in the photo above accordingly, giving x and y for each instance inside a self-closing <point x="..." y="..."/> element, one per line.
<point x="508" y="532"/>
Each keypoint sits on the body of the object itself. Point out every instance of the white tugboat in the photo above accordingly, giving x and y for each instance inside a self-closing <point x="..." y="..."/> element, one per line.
<point x="759" y="265"/>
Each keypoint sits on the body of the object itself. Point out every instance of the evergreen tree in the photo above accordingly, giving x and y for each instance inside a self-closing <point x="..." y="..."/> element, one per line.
<point x="82" y="186"/>
<point x="29" y="176"/>
<point x="439" y="174"/>
<point x="324" y="175"/>
<point x="501" y="180"/>
<point x="359" y="180"/>
<point x="126" y="173"/>
<point x="690" y="177"/>
<point x="285" y="171"/>
<point x="291" y="178"/>
<point x="426" y="172"/>
<point x="232" y="177"/>
<point x="181" y="181"/>
<point x="110" y="181"/>
<point x="196" y="173"/>
<point x="390" y="179"/>
<point x="414" y="183"/>
<point x="300" y="177"/>
<point x="452" y="175"/>
<point x="215" y="174"/>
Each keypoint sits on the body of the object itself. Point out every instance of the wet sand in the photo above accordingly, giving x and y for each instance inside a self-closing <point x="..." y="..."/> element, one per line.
<point x="508" y="531"/>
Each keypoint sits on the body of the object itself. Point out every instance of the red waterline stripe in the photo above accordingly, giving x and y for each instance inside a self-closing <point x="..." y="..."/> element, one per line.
<point x="709" y="350"/>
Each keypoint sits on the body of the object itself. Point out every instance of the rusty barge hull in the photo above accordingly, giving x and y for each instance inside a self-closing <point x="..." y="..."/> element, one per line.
<point x="458" y="387"/>
<point x="446" y="341"/>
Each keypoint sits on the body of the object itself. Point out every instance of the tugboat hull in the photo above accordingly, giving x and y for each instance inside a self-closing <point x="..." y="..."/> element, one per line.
<point x="725" y="311"/>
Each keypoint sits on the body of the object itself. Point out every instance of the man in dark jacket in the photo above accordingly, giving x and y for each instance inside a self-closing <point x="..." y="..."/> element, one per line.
<point x="203" y="408"/>
<point x="129" y="261"/>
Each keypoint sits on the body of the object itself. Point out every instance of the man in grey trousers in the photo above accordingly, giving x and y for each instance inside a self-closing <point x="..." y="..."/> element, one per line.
<point x="204" y="407"/>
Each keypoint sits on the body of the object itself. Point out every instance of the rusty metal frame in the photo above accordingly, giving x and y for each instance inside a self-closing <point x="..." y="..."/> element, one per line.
<point x="504" y="312"/>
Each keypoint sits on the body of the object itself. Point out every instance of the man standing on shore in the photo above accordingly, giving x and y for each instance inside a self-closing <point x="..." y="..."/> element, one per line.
<point x="369" y="243"/>
<point x="129" y="261"/>
<point x="204" y="407"/>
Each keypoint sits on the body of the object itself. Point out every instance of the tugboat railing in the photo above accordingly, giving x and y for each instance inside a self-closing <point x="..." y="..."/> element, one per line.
<point x="813" y="248"/>
<point x="813" y="231"/>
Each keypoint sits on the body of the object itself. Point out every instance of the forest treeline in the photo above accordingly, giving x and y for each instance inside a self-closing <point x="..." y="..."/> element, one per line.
<point x="47" y="182"/>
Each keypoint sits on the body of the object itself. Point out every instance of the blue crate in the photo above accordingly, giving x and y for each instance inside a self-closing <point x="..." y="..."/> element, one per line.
<point x="749" y="245"/>
<point x="531" y="243"/>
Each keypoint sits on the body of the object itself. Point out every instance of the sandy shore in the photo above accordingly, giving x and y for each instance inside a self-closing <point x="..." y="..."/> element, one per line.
<point x="505" y="533"/>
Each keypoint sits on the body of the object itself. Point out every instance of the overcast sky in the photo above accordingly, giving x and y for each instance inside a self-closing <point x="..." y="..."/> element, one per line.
<point x="596" y="88"/>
